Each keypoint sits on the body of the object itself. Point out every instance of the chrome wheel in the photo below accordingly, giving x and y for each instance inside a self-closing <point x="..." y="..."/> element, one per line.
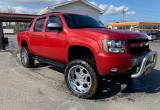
<point x="79" y="79"/>
<point x="24" y="57"/>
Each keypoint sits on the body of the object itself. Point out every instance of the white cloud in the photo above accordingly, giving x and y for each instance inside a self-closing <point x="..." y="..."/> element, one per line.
<point x="25" y="2"/>
<point x="18" y="9"/>
<point x="131" y="13"/>
<point x="19" y="5"/>
<point x="94" y="3"/>
<point x="19" y="2"/>
<point x="111" y="9"/>
<point x="26" y="6"/>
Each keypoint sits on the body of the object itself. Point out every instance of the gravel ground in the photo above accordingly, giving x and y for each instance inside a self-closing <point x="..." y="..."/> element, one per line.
<point x="43" y="88"/>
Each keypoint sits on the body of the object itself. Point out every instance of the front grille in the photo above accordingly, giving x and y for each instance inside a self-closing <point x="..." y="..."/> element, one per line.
<point x="138" y="46"/>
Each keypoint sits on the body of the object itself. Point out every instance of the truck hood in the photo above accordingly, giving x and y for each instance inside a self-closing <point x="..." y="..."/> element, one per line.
<point x="97" y="33"/>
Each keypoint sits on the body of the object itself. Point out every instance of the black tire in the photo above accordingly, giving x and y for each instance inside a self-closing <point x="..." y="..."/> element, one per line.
<point x="92" y="63"/>
<point x="94" y="79"/>
<point x="26" y="58"/>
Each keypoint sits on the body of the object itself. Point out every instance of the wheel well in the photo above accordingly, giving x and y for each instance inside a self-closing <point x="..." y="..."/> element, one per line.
<point x="78" y="52"/>
<point x="24" y="44"/>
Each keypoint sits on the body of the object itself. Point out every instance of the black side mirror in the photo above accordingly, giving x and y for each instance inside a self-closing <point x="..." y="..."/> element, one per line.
<point x="54" y="26"/>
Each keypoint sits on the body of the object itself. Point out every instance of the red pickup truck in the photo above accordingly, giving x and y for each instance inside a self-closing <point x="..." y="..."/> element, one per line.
<point x="85" y="49"/>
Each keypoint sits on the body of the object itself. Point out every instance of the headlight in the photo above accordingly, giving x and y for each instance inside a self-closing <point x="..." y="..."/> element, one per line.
<point x="113" y="46"/>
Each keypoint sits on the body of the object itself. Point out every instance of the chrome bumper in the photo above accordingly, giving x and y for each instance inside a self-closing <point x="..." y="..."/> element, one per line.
<point x="148" y="62"/>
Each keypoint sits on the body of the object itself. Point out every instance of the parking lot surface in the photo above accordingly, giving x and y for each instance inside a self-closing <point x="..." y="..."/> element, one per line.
<point x="43" y="88"/>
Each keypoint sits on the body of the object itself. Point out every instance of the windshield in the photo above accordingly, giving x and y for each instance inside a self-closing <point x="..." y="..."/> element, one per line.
<point x="80" y="21"/>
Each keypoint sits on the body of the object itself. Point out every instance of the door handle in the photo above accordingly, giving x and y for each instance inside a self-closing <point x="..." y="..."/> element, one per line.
<point x="45" y="37"/>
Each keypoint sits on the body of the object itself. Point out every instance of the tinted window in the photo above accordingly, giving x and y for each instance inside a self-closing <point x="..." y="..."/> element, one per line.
<point x="81" y="21"/>
<point x="39" y="25"/>
<point x="54" y="19"/>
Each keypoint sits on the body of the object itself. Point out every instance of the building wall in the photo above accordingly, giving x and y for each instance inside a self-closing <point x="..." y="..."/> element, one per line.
<point x="14" y="27"/>
<point x="79" y="8"/>
<point x="8" y="27"/>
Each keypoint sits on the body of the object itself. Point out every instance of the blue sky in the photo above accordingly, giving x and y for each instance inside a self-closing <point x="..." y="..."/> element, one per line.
<point x="136" y="10"/>
<point x="146" y="10"/>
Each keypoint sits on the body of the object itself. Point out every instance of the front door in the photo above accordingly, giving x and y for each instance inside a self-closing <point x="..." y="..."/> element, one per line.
<point x="56" y="40"/>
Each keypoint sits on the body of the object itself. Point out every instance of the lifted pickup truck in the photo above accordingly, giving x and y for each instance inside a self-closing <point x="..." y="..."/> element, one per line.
<point x="85" y="49"/>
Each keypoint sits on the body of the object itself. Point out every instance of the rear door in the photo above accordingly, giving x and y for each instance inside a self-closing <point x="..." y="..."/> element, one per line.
<point x="37" y="37"/>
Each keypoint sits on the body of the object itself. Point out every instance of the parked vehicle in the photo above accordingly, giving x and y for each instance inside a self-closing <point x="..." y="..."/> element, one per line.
<point x="85" y="49"/>
<point x="157" y="35"/>
<point x="152" y="36"/>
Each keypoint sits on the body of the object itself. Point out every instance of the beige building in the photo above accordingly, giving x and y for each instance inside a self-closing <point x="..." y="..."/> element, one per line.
<point x="76" y="6"/>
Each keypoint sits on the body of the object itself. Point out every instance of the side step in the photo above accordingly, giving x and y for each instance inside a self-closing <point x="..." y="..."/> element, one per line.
<point x="50" y="62"/>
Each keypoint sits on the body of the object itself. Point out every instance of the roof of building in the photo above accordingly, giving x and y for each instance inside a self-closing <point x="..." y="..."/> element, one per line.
<point x="135" y="23"/>
<point x="74" y="1"/>
<point x="15" y="17"/>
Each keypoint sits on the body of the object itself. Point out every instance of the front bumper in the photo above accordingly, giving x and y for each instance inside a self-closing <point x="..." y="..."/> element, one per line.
<point x="107" y="62"/>
<point x="148" y="62"/>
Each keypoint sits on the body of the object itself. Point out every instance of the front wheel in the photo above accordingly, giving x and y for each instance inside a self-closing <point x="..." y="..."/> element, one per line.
<point x="81" y="79"/>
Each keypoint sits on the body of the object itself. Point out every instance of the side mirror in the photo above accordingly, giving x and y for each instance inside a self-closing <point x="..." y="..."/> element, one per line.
<point x="54" y="26"/>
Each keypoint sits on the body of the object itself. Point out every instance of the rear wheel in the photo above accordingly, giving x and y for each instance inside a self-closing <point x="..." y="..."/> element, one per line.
<point x="81" y="78"/>
<point x="26" y="59"/>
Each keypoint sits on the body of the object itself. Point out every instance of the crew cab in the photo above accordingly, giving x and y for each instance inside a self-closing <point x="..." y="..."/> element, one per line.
<point x="85" y="49"/>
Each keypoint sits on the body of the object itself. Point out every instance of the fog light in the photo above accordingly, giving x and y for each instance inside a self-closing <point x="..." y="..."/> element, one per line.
<point x="114" y="70"/>
<point x="134" y="62"/>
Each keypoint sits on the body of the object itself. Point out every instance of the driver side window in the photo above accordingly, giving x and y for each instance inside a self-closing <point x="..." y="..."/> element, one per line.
<point x="53" y="19"/>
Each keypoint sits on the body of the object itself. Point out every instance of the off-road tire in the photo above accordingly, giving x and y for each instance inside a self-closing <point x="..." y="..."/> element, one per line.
<point x="94" y="79"/>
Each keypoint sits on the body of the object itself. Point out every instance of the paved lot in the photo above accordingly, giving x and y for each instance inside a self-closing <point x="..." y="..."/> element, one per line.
<point x="43" y="88"/>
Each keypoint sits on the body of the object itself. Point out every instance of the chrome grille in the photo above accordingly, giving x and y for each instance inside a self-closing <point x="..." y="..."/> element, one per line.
<point x="138" y="46"/>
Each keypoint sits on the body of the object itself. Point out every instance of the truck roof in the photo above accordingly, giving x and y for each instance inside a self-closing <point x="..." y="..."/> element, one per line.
<point x="58" y="13"/>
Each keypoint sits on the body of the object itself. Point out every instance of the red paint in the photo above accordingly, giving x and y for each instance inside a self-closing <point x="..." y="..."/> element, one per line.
<point x="55" y="45"/>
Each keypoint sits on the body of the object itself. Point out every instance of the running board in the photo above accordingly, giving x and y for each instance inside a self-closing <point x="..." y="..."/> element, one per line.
<point x="50" y="61"/>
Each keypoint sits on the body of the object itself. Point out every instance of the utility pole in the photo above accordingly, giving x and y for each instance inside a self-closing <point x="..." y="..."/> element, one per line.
<point x="2" y="45"/>
<point x="124" y="13"/>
